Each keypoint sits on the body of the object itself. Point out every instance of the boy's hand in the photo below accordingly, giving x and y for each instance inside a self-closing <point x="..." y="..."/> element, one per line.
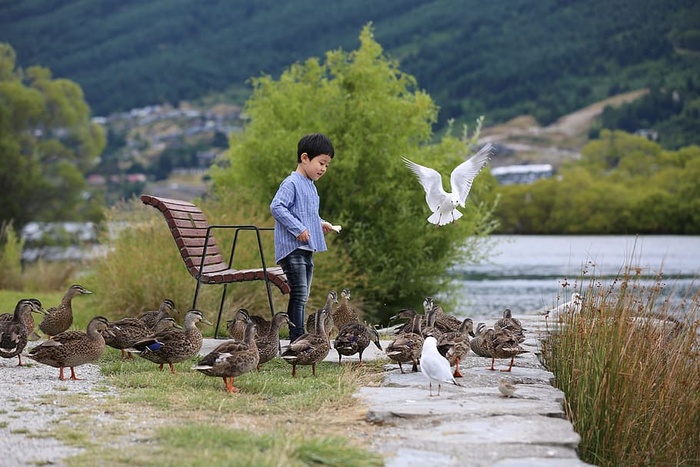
<point x="304" y="236"/>
<point x="328" y="227"/>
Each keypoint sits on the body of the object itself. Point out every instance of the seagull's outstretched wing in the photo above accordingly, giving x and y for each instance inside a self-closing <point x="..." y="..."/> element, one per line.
<point x="431" y="181"/>
<point x="463" y="175"/>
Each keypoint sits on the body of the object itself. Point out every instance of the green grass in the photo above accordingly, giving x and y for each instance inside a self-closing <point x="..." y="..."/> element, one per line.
<point x="632" y="392"/>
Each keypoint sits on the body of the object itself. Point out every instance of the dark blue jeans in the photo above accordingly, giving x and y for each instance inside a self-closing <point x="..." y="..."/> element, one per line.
<point x="298" y="266"/>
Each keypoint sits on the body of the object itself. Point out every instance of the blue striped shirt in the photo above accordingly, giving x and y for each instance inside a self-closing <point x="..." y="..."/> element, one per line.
<point x="295" y="209"/>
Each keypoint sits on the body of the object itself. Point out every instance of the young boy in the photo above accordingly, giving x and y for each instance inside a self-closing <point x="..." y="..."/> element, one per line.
<point x="299" y="228"/>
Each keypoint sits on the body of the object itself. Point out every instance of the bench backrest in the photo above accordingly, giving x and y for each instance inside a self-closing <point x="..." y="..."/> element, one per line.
<point x="188" y="226"/>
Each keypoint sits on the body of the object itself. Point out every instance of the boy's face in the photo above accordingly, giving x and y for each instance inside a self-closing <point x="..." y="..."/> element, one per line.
<point x="316" y="167"/>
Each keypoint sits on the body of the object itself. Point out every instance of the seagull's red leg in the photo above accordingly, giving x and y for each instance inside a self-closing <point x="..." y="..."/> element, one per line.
<point x="72" y="374"/>
<point x="172" y="368"/>
<point x="60" y="374"/>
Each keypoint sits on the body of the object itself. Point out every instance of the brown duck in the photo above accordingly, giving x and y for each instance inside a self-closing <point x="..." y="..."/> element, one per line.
<point x="60" y="318"/>
<point x="495" y="344"/>
<point x="72" y="348"/>
<point x="269" y="343"/>
<point x="235" y="328"/>
<point x="173" y="345"/>
<point x="28" y="318"/>
<point x="14" y="332"/>
<point x="354" y="338"/>
<point x="125" y="332"/>
<point x="407" y="346"/>
<point x="455" y="345"/>
<point x="311" y="321"/>
<point x="232" y="358"/>
<point x="150" y="318"/>
<point x="310" y="348"/>
<point x="344" y="313"/>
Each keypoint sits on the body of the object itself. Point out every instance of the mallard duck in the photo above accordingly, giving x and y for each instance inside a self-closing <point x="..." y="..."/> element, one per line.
<point x="510" y="324"/>
<point x="407" y="346"/>
<point x="310" y="348"/>
<point x="455" y="345"/>
<point x="235" y="328"/>
<point x="331" y="299"/>
<point x="434" y="366"/>
<point x="344" y="313"/>
<point x="69" y="349"/>
<point x="430" y="329"/>
<point x="269" y="343"/>
<point x="28" y="317"/>
<point x="125" y="332"/>
<point x="173" y="345"/>
<point x="150" y="318"/>
<point x="232" y="358"/>
<point x="60" y="318"/>
<point x="14" y="332"/>
<point x="442" y="321"/>
<point x="354" y="338"/>
<point x="495" y="344"/>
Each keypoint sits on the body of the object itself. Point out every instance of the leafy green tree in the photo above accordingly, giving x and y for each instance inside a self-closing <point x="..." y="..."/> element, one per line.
<point x="374" y="114"/>
<point x="47" y="144"/>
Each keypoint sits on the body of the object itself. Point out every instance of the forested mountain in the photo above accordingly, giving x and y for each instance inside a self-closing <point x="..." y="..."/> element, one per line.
<point x="501" y="59"/>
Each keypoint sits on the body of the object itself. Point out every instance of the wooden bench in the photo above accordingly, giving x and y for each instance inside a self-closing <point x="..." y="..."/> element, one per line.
<point x="200" y="251"/>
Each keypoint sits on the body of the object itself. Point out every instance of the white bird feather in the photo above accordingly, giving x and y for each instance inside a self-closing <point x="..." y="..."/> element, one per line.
<point x="442" y="204"/>
<point x="434" y="366"/>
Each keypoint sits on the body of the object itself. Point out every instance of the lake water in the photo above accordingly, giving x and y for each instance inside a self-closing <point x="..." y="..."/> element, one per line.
<point x="529" y="273"/>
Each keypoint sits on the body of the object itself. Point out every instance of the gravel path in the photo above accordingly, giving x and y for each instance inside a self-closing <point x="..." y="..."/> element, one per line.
<point x="31" y="405"/>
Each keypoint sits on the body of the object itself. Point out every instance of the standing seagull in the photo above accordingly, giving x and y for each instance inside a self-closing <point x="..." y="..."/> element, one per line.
<point x="434" y="366"/>
<point x="442" y="204"/>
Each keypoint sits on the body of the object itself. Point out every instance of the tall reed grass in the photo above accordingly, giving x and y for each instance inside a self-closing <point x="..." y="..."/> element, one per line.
<point x="629" y="365"/>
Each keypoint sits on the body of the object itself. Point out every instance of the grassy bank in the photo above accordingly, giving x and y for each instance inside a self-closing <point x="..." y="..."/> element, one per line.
<point x="631" y="374"/>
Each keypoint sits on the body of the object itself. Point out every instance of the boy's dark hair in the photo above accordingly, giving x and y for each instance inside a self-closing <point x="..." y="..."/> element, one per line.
<point x="314" y="145"/>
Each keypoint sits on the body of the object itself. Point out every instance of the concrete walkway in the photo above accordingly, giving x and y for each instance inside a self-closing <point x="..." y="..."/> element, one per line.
<point x="472" y="424"/>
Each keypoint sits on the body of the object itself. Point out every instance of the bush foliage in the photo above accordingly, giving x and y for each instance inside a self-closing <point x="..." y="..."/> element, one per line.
<point x="374" y="114"/>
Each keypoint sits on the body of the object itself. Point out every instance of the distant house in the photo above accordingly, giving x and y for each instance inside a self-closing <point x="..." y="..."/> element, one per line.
<point x="522" y="174"/>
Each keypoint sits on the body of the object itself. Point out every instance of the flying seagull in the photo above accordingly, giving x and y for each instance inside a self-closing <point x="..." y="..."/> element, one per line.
<point x="442" y="204"/>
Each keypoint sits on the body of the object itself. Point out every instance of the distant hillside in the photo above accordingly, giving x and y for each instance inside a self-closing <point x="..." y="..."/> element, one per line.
<point x="500" y="59"/>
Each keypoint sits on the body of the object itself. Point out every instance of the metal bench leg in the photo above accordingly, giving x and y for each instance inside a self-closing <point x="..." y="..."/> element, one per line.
<point x="221" y="310"/>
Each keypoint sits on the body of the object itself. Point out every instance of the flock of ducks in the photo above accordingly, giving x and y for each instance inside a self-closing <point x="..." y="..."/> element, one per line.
<point x="436" y="342"/>
<point x="156" y="336"/>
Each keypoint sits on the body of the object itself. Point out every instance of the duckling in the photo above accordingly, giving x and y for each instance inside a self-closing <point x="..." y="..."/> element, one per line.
<point x="173" y="345"/>
<point x="14" y="332"/>
<point x="311" y="326"/>
<point x="269" y="343"/>
<point x="407" y="346"/>
<point x="511" y="325"/>
<point x="354" y="338"/>
<point x="455" y="345"/>
<point x="27" y="317"/>
<point x="344" y="313"/>
<point x="312" y="347"/>
<point x="73" y="348"/>
<point x="232" y="358"/>
<point x="150" y="318"/>
<point x="125" y="332"/>
<point x="60" y="318"/>
<point x="235" y="328"/>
